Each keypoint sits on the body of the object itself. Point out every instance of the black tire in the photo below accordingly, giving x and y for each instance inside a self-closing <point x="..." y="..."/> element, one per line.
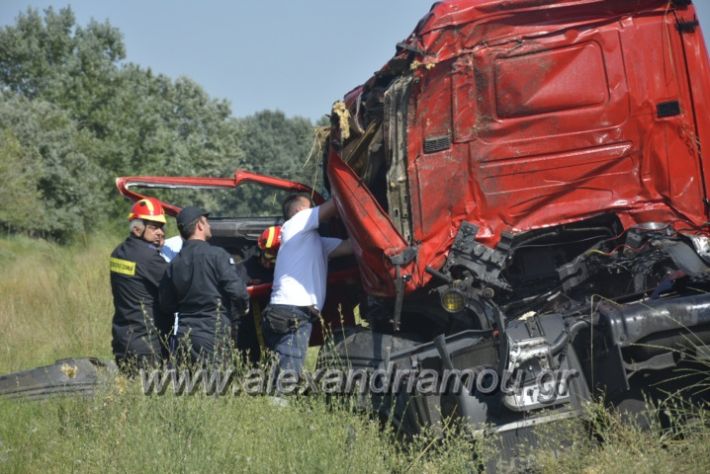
<point x="363" y="349"/>
<point x="65" y="377"/>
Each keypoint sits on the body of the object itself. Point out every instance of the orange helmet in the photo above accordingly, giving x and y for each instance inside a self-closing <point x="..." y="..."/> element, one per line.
<point x="269" y="242"/>
<point x="148" y="209"/>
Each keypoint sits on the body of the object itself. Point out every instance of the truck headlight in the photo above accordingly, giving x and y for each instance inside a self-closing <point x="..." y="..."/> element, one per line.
<point x="452" y="301"/>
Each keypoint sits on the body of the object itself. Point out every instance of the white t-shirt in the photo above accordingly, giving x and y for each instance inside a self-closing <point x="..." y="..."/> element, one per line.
<point x="171" y="247"/>
<point x="302" y="262"/>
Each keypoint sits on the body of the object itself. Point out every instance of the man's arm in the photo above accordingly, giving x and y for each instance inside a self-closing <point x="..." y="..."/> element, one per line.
<point x="233" y="285"/>
<point x="168" y="304"/>
<point x="152" y="267"/>
<point x="327" y="210"/>
<point x="344" y="248"/>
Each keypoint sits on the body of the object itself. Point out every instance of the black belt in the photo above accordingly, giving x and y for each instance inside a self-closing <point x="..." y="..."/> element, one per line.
<point x="311" y="311"/>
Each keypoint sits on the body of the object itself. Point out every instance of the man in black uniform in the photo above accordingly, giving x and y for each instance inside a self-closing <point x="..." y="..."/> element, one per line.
<point x="136" y="271"/>
<point x="204" y="288"/>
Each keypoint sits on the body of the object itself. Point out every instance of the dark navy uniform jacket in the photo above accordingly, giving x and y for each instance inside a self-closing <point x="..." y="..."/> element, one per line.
<point x="204" y="287"/>
<point x="136" y="271"/>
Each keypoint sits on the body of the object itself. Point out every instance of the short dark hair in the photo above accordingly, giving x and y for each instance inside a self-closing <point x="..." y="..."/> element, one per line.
<point x="291" y="200"/>
<point x="187" y="230"/>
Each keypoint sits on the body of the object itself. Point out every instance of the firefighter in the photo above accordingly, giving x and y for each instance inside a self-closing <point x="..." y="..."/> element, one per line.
<point x="136" y="270"/>
<point x="269" y="243"/>
<point x="298" y="292"/>
<point x="258" y="269"/>
<point x="201" y="294"/>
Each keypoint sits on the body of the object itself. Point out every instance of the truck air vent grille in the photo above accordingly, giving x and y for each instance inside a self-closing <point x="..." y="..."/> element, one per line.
<point x="434" y="144"/>
<point x="668" y="109"/>
<point x="687" y="26"/>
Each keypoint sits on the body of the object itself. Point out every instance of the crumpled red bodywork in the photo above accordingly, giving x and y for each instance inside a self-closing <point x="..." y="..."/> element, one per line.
<point x="554" y="112"/>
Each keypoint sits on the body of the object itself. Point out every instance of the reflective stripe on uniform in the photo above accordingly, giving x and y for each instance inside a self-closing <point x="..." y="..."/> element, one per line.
<point x="124" y="267"/>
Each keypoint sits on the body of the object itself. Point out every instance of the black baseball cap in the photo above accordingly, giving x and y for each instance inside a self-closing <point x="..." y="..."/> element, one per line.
<point x="190" y="214"/>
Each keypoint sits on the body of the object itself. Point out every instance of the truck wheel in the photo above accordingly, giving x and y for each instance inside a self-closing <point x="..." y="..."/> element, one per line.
<point x="367" y="350"/>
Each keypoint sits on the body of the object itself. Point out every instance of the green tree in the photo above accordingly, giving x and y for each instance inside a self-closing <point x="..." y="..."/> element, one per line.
<point x="45" y="152"/>
<point x="77" y="116"/>
<point x="20" y="205"/>
<point x="279" y="146"/>
<point x="52" y="58"/>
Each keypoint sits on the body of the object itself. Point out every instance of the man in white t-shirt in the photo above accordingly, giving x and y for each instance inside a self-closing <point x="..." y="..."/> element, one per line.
<point x="298" y="292"/>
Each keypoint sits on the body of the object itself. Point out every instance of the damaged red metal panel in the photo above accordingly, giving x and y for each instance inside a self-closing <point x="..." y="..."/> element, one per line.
<point x="374" y="236"/>
<point x="696" y="57"/>
<point x="555" y="113"/>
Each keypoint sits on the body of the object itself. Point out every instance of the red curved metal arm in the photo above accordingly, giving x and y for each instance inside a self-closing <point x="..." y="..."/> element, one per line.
<point x="241" y="176"/>
<point x="123" y="185"/>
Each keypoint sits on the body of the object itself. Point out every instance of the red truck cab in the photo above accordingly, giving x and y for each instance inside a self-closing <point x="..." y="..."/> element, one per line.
<point x="521" y="115"/>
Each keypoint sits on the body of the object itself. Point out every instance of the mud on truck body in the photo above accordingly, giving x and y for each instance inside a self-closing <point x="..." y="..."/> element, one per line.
<point x="526" y="191"/>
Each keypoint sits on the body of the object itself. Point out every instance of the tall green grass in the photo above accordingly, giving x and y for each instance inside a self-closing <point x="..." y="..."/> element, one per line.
<point x="55" y="302"/>
<point x="133" y="433"/>
<point x="611" y="442"/>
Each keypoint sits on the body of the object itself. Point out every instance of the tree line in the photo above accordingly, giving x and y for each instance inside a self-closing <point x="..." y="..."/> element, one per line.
<point x="74" y="115"/>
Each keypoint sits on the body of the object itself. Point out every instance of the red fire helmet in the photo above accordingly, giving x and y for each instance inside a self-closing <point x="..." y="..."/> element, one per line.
<point x="270" y="239"/>
<point x="148" y="209"/>
<point x="269" y="242"/>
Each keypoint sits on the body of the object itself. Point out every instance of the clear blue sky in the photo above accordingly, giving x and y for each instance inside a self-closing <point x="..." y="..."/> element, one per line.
<point x="297" y="56"/>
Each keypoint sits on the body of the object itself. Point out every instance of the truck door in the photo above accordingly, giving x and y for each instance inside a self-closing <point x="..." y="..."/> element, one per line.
<point x="668" y="83"/>
<point x="696" y="69"/>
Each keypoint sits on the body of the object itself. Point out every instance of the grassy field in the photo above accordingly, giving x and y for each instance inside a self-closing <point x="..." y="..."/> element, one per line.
<point x="55" y="302"/>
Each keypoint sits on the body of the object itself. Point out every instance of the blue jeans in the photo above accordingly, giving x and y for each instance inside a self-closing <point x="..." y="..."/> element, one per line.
<point x="287" y="330"/>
